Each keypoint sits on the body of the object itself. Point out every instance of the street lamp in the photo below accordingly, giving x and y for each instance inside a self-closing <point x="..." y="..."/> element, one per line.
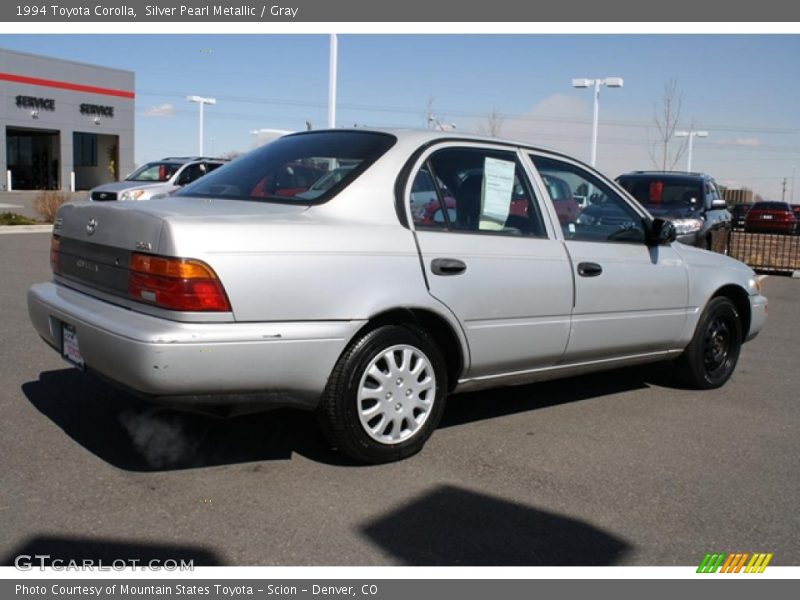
<point x="439" y="126"/>
<point x="201" y="100"/>
<point x="612" y="82"/>
<point x="332" y="68"/>
<point x="691" y="135"/>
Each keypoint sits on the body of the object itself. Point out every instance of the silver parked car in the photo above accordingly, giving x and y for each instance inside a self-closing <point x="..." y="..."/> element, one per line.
<point x="350" y="303"/>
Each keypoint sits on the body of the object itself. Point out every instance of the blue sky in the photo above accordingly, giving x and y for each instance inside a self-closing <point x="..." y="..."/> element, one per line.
<point x="743" y="89"/>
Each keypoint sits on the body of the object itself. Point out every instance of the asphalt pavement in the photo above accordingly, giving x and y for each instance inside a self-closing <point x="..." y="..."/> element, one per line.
<point x="620" y="468"/>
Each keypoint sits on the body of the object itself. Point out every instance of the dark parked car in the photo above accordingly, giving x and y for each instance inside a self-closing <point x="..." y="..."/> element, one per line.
<point x="692" y="201"/>
<point x="739" y="215"/>
<point x="771" y="217"/>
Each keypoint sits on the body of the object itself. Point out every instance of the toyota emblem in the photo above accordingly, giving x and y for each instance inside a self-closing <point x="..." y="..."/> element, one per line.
<point x="91" y="226"/>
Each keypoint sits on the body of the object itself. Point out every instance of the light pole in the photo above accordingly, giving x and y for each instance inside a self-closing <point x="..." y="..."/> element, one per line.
<point x="201" y="100"/>
<point x="439" y="126"/>
<point x="691" y="135"/>
<point x="332" y="67"/>
<point x="613" y="82"/>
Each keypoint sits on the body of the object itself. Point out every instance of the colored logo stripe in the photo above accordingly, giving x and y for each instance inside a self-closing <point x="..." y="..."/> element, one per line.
<point x="65" y="85"/>
<point x="758" y="563"/>
<point x="711" y="563"/>
<point x="734" y="562"/>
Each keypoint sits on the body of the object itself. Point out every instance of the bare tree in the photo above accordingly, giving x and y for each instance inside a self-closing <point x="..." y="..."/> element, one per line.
<point x="666" y="115"/>
<point x="494" y="123"/>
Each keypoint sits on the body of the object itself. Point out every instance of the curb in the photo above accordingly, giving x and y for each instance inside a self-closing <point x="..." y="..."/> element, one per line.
<point x="25" y="229"/>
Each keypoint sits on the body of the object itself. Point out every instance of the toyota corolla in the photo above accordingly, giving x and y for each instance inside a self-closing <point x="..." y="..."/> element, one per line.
<point x="351" y="304"/>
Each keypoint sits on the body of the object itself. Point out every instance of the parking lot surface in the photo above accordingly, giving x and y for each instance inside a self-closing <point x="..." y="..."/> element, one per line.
<point x="620" y="468"/>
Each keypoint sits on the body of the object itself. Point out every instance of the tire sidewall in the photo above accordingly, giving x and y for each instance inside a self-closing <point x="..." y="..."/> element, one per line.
<point x="718" y="307"/>
<point x="365" y="351"/>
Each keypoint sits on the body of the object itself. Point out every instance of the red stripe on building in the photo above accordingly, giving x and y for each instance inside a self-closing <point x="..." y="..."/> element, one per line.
<point x="65" y="85"/>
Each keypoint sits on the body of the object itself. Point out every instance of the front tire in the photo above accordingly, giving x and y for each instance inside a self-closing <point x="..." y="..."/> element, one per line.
<point x="710" y="358"/>
<point x="385" y="396"/>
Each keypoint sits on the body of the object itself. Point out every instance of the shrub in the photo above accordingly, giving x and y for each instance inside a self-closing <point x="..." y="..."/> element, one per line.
<point x="9" y="218"/>
<point x="47" y="202"/>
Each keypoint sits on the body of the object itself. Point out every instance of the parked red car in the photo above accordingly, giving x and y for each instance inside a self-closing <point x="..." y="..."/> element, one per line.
<point x="567" y="208"/>
<point x="771" y="217"/>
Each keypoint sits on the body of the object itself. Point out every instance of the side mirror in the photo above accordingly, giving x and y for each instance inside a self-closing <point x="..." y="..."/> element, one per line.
<point x="661" y="232"/>
<point x="719" y="204"/>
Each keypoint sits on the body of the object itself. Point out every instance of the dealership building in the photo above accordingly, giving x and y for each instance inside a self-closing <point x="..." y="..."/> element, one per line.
<point x="63" y="125"/>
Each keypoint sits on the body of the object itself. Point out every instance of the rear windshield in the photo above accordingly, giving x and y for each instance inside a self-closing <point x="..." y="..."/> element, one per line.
<point x="156" y="171"/>
<point x="305" y="168"/>
<point x="667" y="192"/>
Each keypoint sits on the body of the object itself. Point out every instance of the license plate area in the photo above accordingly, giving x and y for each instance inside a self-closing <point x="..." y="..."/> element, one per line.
<point x="70" y="347"/>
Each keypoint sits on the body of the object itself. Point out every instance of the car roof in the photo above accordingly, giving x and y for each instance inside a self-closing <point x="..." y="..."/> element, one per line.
<point x="185" y="159"/>
<point x="422" y="137"/>
<point x="667" y="174"/>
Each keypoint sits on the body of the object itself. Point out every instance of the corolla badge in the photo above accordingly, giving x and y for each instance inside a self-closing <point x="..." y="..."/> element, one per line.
<point x="91" y="226"/>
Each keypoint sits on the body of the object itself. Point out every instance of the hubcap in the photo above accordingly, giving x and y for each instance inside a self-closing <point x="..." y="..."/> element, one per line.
<point x="396" y="394"/>
<point x="717" y="345"/>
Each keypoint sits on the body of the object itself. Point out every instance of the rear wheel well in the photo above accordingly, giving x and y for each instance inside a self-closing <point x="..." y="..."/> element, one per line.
<point x="436" y="326"/>
<point x="741" y="300"/>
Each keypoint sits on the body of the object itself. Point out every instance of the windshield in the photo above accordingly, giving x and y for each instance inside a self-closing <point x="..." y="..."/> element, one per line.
<point x="155" y="171"/>
<point x="666" y="192"/>
<point x="302" y="168"/>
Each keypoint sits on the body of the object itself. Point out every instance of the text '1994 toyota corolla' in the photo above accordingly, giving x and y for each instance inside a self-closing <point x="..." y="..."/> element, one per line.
<point x="430" y="264"/>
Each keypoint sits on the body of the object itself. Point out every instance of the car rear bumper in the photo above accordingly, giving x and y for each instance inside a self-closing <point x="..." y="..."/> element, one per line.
<point x="273" y="363"/>
<point x="770" y="226"/>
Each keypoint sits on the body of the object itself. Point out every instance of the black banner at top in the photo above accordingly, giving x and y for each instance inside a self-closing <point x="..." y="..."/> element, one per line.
<point x="441" y="11"/>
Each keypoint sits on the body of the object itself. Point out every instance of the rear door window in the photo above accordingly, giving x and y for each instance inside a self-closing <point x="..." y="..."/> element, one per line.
<point x="475" y="190"/>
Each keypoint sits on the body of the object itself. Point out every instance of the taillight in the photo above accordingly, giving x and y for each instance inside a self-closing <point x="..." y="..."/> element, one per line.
<point x="55" y="245"/>
<point x="176" y="284"/>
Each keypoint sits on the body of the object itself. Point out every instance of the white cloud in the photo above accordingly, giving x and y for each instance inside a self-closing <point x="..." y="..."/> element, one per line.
<point x="160" y="110"/>
<point x="746" y="142"/>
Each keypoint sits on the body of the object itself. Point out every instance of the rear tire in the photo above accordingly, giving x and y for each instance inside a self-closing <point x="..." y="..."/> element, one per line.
<point x="710" y="358"/>
<point x="385" y="396"/>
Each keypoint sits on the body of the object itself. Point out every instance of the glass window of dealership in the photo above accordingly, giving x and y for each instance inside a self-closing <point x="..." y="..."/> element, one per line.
<point x="63" y="125"/>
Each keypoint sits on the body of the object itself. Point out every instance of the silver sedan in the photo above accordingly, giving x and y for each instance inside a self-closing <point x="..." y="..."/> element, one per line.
<point x="431" y="264"/>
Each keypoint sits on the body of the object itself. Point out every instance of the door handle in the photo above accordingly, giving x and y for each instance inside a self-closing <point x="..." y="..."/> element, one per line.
<point x="448" y="266"/>
<point x="589" y="269"/>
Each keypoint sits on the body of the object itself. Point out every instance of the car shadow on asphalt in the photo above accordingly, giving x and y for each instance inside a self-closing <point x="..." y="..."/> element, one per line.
<point x="135" y="436"/>
<point x="499" y="402"/>
<point x="450" y="526"/>
<point x="59" y="550"/>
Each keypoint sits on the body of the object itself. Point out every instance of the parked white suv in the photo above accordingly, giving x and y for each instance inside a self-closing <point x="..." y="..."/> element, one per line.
<point x="159" y="178"/>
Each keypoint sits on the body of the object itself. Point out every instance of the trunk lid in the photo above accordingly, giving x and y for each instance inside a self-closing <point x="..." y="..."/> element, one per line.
<point x="96" y="240"/>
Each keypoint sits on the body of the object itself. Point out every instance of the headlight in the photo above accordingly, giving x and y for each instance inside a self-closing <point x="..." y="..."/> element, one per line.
<point x="133" y="195"/>
<point x="684" y="226"/>
<point x="754" y="285"/>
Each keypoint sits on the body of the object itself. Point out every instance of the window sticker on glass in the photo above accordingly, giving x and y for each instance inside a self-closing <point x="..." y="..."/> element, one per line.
<point x="498" y="183"/>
